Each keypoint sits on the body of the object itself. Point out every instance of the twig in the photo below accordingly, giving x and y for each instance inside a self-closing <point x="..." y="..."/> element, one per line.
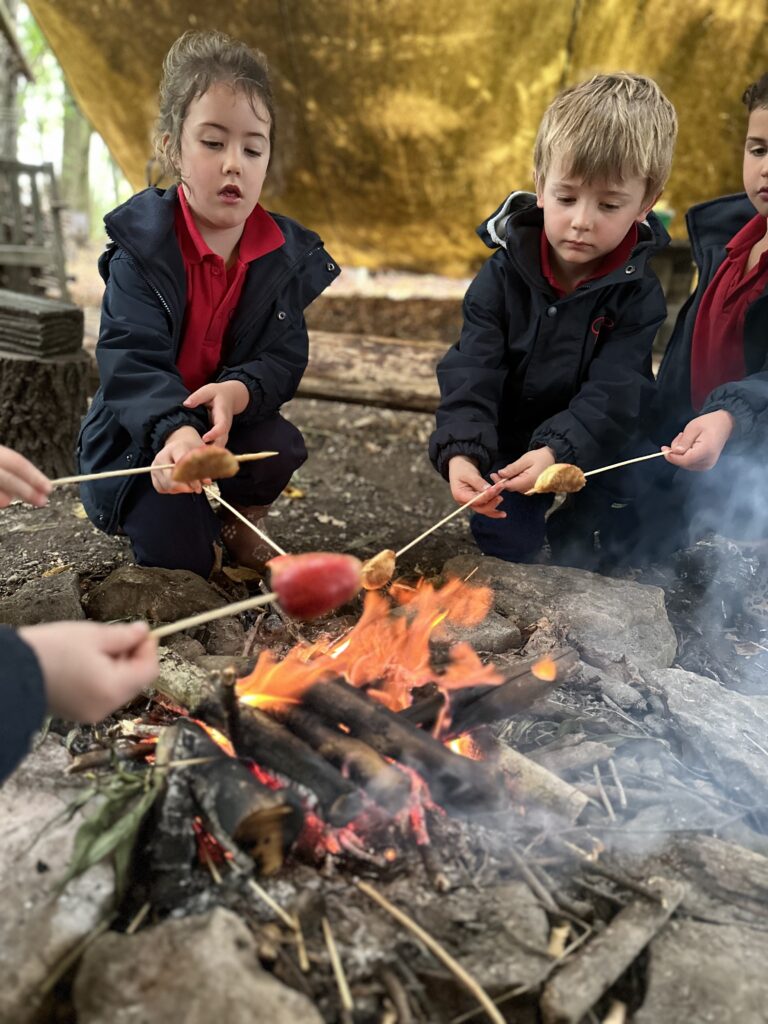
<point x="301" y="946"/>
<point x="215" y="873"/>
<point x="619" y="786"/>
<point x="138" y="920"/>
<point x="345" y="995"/>
<point x="398" y="995"/>
<point x="603" y="795"/>
<point x="537" y="888"/>
<point x="137" y="470"/>
<point x="617" y="1014"/>
<point x="437" y="950"/>
<point x="73" y="955"/>
<point x="445" y="519"/>
<point x="627" y="462"/>
<point x="107" y="756"/>
<point x="285" y="917"/>
<point x="231" y="508"/>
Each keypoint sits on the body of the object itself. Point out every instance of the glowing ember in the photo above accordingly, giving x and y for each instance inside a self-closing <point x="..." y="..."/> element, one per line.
<point x="465" y="746"/>
<point x="546" y="670"/>
<point x="387" y="649"/>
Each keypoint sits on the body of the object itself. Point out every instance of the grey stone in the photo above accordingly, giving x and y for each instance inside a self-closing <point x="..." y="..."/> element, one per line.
<point x="184" y="646"/>
<point x="220" y="662"/>
<point x="158" y="595"/>
<point x="40" y="924"/>
<point x="223" y="636"/>
<point x="605" y="619"/>
<point x="196" y="970"/>
<point x="715" y="725"/>
<point x="494" y="635"/>
<point x="46" y="599"/>
<point x="706" y="974"/>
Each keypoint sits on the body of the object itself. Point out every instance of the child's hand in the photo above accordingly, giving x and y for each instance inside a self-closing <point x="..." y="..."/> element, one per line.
<point x="176" y="445"/>
<point x="20" y="479"/>
<point x="224" y="401"/>
<point x="522" y="474"/>
<point x="699" y="446"/>
<point x="466" y="482"/>
<point x="90" y="668"/>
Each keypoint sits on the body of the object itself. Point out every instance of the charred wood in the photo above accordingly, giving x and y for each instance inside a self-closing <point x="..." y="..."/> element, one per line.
<point x="386" y="785"/>
<point x="456" y="783"/>
<point x="530" y="782"/>
<point x="474" y="706"/>
<point x="273" y="746"/>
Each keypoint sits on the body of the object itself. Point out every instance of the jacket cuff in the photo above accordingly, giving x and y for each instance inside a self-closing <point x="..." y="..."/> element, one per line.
<point x="254" y="411"/>
<point x="160" y="429"/>
<point x="471" y="449"/>
<point x="559" y="443"/>
<point x="743" y="414"/>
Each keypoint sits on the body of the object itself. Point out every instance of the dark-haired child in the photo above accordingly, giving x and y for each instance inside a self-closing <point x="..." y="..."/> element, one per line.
<point x="202" y="334"/>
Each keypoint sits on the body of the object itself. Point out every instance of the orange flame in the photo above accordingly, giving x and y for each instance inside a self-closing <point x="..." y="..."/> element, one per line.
<point x="546" y="670"/>
<point x="465" y="746"/>
<point x="388" y="648"/>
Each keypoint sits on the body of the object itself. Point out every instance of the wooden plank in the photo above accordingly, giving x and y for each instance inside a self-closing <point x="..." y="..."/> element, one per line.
<point x="370" y="370"/>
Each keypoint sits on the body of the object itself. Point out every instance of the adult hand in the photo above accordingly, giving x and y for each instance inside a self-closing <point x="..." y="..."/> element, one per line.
<point x="177" y="444"/>
<point x="466" y="481"/>
<point x="89" y="668"/>
<point x="522" y="474"/>
<point x="700" y="444"/>
<point x="20" y="479"/>
<point x="224" y="401"/>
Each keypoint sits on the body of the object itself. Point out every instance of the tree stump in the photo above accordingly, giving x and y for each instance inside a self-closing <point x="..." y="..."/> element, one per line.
<point x="41" y="404"/>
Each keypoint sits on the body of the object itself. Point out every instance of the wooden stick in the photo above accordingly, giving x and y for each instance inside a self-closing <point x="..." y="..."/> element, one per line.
<point x="275" y="907"/>
<point x="345" y="995"/>
<point x="231" y="508"/>
<point x="137" y="470"/>
<point x="213" y="613"/>
<point x="437" y="950"/>
<point x="445" y="519"/>
<point x="627" y="462"/>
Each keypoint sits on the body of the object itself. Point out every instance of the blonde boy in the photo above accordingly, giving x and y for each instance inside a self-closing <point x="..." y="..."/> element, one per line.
<point x="554" y="359"/>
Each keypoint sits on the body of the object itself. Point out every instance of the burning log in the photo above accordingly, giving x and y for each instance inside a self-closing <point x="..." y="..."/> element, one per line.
<point x="480" y="705"/>
<point x="202" y="780"/>
<point x="275" y="747"/>
<point x="455" y="782"/>
<point x="385" y="784"/>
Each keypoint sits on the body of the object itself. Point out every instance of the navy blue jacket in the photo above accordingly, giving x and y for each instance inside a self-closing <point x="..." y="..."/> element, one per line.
<point x="710" y="227"/>
<point x="532" y="370"/>
<point x="139" y="402"/>
<point x="23" y="699"/>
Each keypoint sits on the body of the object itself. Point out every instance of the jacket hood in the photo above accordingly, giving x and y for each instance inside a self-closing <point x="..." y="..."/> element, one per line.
<point x="509" y="227"/>
<point x="713" y="224"/>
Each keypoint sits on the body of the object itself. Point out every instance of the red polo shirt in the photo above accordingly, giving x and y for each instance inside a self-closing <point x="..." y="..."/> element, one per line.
<point x="213" y="291"/>
<point x="611" y="261"/>
<point x="717" y="349"/>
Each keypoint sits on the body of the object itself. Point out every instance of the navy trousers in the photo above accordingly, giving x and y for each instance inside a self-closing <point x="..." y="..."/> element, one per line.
<point x="591" y="530"/>
<point x="178" y="531"/>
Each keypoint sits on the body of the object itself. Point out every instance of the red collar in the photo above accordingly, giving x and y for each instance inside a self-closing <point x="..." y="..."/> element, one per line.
<point x="260" y="235"/>
<point x="611" y="261"/>
<point x="748" y="236"/>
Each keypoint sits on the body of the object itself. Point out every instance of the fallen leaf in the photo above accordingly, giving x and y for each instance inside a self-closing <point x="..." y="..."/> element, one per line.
<point x="56" y="569"/>
<point x="293" y="493"/>
<point x="240" y="574"/>
<point x="78" y="510"/>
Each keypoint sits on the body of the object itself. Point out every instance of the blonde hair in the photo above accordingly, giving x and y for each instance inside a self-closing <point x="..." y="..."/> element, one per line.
<point x="610" y="127"/>
<point x="195" y="62"/>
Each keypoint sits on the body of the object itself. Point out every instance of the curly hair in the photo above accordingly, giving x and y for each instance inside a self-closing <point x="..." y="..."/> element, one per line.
<point x="756" y="95"/>
<point x="195" y="62"/>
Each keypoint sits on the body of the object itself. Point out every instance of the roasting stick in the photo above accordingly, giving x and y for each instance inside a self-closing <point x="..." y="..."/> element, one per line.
<point x="627" y="462"/>
<point x="231" y="508"/>
<point x="445" y="519"/>
<point x="437" y="950"/>
<point x="137" y="470"/>
<point x="214" y="613"/>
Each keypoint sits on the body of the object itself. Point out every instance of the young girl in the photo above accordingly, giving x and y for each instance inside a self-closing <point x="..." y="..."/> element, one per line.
<point x="713" y="382"/>
<point x="202" y="334"/>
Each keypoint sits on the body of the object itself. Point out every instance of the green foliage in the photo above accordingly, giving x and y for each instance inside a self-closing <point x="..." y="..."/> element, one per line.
<point x="112" y="830"/>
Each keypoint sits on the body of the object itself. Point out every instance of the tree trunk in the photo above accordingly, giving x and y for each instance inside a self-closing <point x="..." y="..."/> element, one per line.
<point x="9" y="71"/>
<point x="75" y="191"/>
<point x="41" y="404"/>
